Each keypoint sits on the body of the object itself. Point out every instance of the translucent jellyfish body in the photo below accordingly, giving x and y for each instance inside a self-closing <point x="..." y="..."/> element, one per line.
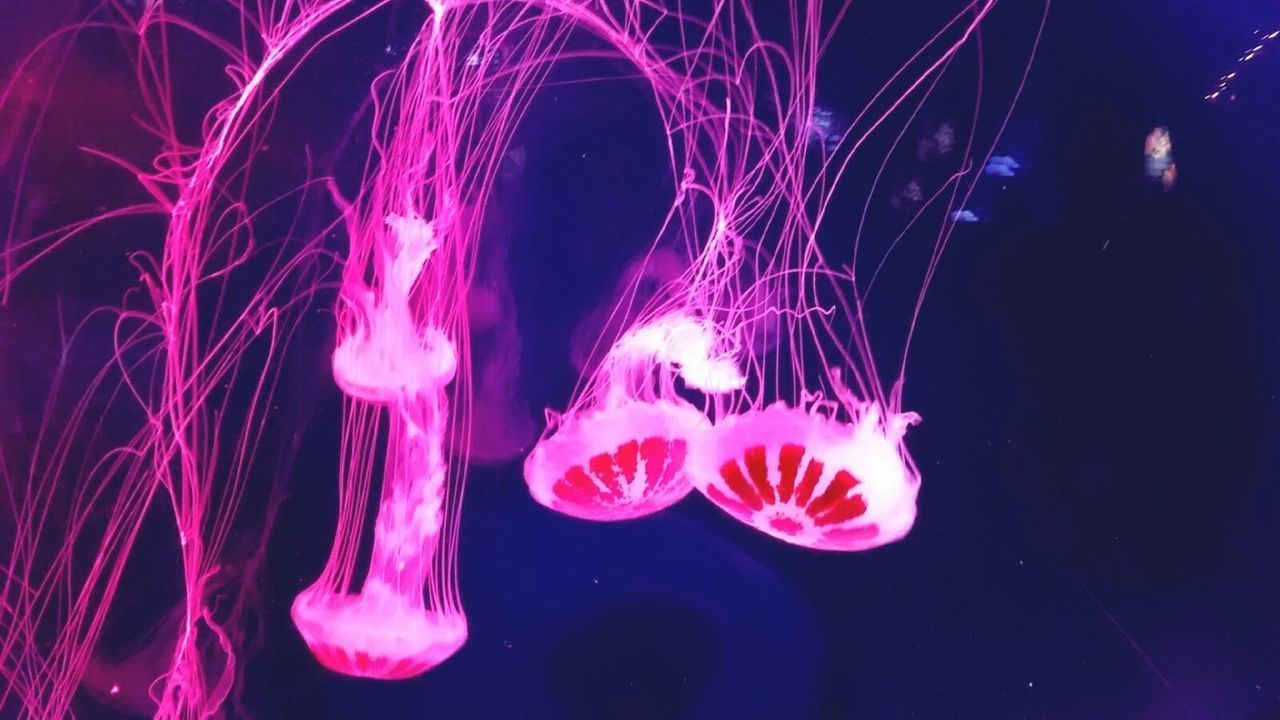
<point x="617" y="463"/>
<point x="376" y="634"/>
<point x="386" y="630"/>
<point x="622" y="455"/>
<point x="810" y="480"/>
<point x="384" y="355"/>
<point x="388" y="358"/>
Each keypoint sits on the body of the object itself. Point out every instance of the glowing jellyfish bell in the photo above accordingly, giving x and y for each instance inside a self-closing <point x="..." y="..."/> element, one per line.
<point x="620" y="452"/>
<point x="383" y="355"/>
<point x="829" y="476"/>
<point x="386" y="630"/>
<point x="795" y="452"/>
<point x="809" y="447"/>
<point x="386" y="363"/>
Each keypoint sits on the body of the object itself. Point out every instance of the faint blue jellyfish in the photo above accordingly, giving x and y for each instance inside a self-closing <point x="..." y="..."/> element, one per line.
<point x="944" y="138"/>
<point x="936" y="140"/>
<point x="1002" y="166"/>
<point x="825" y="128"/>
<point x="1159" y="164"/>
<point x="909" y="195"/>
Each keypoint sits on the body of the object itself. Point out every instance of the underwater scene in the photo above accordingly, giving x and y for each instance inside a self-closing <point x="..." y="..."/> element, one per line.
<point x="640" y="359"/>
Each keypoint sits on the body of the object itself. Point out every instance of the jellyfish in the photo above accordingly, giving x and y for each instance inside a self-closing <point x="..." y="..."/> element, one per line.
<point x="385" y="363"/>
<point x="810" y="477"/>
<point x="404" y="341"/>
<point x="386" y="630"/>
<point x="503" y="424"/>
<point x="809" y="448"/>
<point x="620" y="453"/>
<point x="1158" y="158"/>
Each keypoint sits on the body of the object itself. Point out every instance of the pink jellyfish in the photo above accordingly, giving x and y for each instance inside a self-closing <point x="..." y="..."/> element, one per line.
<point x="504" y="426"/>
<point x="404" y="340"/>
<point x="618" y="452"/>
<point x="813" y="477"/>
<point x="622" y="455"/>
<point x="799" y="453"/>
<point x="386" y="362"/>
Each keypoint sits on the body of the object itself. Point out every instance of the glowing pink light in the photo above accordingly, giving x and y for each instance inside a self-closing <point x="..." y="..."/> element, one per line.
<point x="810" y="480"/>
<point x="616" y="463"/>
<point x="620" y="453"/>
<point x="385" y="630"/>
<point x="404" y="340"/>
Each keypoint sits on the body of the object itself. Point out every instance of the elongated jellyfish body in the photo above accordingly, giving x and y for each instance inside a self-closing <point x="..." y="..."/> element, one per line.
<point x="386" y="631"/>
<point x="404" y="345"/>
<point x="809" y="480"/>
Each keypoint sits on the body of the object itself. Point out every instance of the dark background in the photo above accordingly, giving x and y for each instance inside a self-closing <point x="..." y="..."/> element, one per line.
<point x="1097" y="370"/>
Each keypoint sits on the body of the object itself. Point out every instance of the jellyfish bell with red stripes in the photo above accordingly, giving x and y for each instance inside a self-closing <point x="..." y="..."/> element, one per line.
<point x="810" y="449"/>
<point x="807" y="477"/>
<point x="797" y="451"/>
<point x="616" y="463"/>
<point x="621" y="453"/>
<point x="376" y="635"/>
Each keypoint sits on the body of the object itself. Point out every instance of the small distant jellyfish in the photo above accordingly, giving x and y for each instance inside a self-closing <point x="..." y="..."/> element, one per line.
<point x="825" y="128"/>
<point x="909" y="195"/>
<point x="935" y="140"/>
<point x="502" y="425"/>
<point x="1158" y="154"/>
<point x="1002" y="166"/>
